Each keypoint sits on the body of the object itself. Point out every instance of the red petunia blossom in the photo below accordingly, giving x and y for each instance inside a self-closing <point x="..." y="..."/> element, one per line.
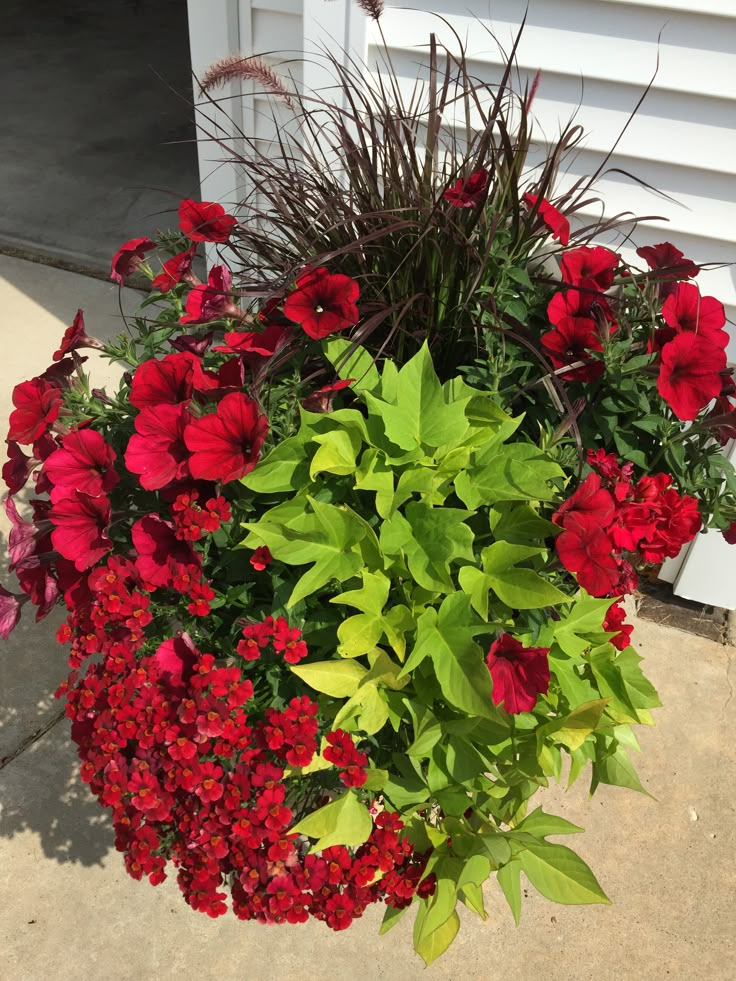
<point x="205" y="221"/>
<point x="467" y="192"/>
<point x="17" y="468"/>
<point x="323" y="302"/>
<point x="519" y="674"/>
<point x="174" y="661"/>
<point x="321" y="399"/>
<point x="689" y="375"/>
<point x="168" y="381"/>
<point x="669" y="259"/>
<point x="226" y="444"/>
<point x="580" y="303"/>
<point x="591" y="501"/>
<point x="157" y="451"/>
<point x="571" y="341"/>
<point x="211" y="300"/>
<point x="265" y="342"/>
<point x="555" y="221"/>
<point x="587" y="550"/>
<point x="10" y="607"/>
<point x="128" y="257"/>
<point x="162" y="557"/>
<point x="590" y="266"/>
<point x="675" y="522"/>
<point x="614" y="623"/>
<point x="80" y="532"/>
<point x="214" y="384"/>
<point x="197" y="345"/>
<point x="76" y="337"/>
<point x="686" y="311"/>
<point x="37" y="405"/>
<point x="174" y="270"/>
<point x="84" y="462"/>
<point x="730" y="533"/>
<point x="721" y="418"/>
<point x="261" y="558"/>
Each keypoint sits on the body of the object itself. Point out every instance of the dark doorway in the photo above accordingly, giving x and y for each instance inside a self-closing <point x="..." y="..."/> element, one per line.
<point x="97" y="131"/>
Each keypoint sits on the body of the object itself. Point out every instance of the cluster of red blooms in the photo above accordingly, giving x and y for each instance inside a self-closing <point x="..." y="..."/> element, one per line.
<point x="341" y="751"/>
<point x="286" y="640"/>
<point x="166" y="744"/>
<point x="609" y="515"/>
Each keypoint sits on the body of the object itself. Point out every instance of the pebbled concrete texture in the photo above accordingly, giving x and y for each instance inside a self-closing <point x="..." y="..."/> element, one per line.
<point x="69" y="911"/>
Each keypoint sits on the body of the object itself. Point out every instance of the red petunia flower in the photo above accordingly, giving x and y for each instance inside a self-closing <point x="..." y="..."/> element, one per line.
<point x="164" y="382"/>
<point x="321" y="399"/>
<point x="721" y="418"/>
<point x="519" y="674"/>
<point x="84" y="462"/>
<point x="587" y="550"/>
<point x="174" y="661"/>
<point x="226" y="444"/>
<point x="128" y="257"/>
<point x="555" y="221"/>
<point x="686" y="311"/>
<point x="157" y="451"/>
<point x="211" y="300"/>
<point x="174" y="270"/>
<point x="669" y="259"/>
<point x="675" y="522"/>
<point x="80" y="532"/>
<point x="76" y="337"/>
<point x="265" y="342"/>
<point x="323" y="302"/>
<point x="579" y="303"/>
<point x="614" y="623"/>
<point x="37" y="405"/>
<point x="205" y="221"/>
<point x="590" y="501"/>
<point x="689" y="375"/>
<point x="467" y="192"/>
<point x="261" y="558"/>
<point x="10" y="607"/>
<point x="571" y="341"/>
<point x="17" y="468"/>
<point x="730" y="533"/>
<point x="162" y="557"/>
<point x="590" y="266"/>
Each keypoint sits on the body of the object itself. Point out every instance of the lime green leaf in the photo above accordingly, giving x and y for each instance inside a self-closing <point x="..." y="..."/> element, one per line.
<point x="384" y="672"/>
<point x="340" y="679"/>
<point x="390" y="918"/>
<point x="540" y="825"/>
<point x="374" y="474"/>
<point x="337" y="453"/>
<point x="439" y="940"/>
<point x="344" y="821"/>
<point x="472" y="896"/>
<point x="524" y="589"/>
<point x="375" y="779"/>
<point x="560" y="875"/>
<point x="509" y="879"/>
<point x="438" y="537"/>
<point x="521" y="524"/>
<point x="573" y="729"/>
<point x="518" y="472"/>
<point x="397" y="622"/>
<point x="351" y="361"/>
<point x="366" y="711"/>
<point x="618" y="771"/>
<point x="285" y="468"/>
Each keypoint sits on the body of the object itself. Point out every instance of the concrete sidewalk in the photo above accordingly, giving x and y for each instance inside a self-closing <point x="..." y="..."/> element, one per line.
<point x="69" y="911"/>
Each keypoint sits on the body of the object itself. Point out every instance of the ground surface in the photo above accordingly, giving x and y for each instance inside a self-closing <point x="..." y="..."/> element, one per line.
<point x="70" y="912"/>
<point x="96" y="144"/>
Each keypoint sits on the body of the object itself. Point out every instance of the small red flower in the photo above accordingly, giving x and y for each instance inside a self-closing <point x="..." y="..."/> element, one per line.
<point x="37" y="405"/>
<point x="157" y="451"/>
<point x="467" y="192"/>
<point x="205" y="221"/>
<point x="323" y="302"/>
<point x="670" y="260"/>
<point x="571" y="341"/>
<point x="226" y="444"/>
<point x="174" y="270"/>
<point x="614" y="623"/>
<point x="168" y="381"/>
<point x="84" y="462"/>
<point x="76" y="337"/>
<point x="211" y="300"/>
<point x="265" y="342"/>
<point x="519" y="674"/>
<point x="128" y="257"/>
<point x="689" y="375"/>
<point x="590" y="501"/>
<point x="321" y="399"/>
<point x="686" y="311"/>
<point x="261" y="558"/>
<point x="555" y="221"/>
<point x="587" y="550"/>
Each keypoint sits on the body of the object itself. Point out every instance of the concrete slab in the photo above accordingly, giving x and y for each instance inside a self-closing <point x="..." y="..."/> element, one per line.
<point x="38" y="303"/>
<point x="98" y="135"/>
<point x="70" y="911"/>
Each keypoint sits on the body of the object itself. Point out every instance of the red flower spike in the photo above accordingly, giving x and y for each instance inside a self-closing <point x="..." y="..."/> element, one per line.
<point x="226" y="444"/>
<point x="323" y="303"/>
<point x="467" y="192"/>
<point x="555" y="221"/>
<point x="157" y="451"/>
<point x="689" y="375"/>
<point x="205" y="221"/>
<point x="84" y="463"/>
<point x="519" y="674"/>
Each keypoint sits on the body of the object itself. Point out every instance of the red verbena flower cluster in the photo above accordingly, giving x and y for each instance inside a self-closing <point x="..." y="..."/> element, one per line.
<point x="609" y="515"/>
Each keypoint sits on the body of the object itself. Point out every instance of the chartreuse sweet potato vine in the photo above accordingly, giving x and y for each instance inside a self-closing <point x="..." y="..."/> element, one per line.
<point x="415" y="532"/>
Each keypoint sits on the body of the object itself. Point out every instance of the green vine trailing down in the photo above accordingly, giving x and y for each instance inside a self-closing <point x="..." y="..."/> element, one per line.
<point x="343" y="556"/>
